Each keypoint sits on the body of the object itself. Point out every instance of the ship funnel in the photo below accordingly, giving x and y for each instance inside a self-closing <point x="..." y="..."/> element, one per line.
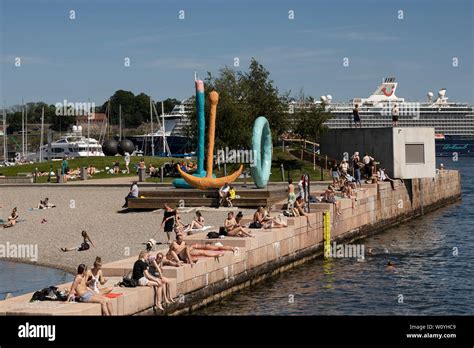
<point x="329" y="98"/>
<point x="79" y="129"/>
<point x="430" y="96"/>
<point x="323" y="98"/>
<point x="74" y="129"/>
<point x="442" y="92"/>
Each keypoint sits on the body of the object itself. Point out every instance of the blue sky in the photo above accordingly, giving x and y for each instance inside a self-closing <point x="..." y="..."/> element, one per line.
<point x="83" y="59"/>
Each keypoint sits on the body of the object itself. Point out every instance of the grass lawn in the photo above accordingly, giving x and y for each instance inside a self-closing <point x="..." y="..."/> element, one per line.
<point x="99" y="163"/>
<point x="292" y="164"/>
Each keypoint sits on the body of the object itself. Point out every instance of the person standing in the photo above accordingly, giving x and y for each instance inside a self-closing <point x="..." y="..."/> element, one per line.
<point x="291" y="194"/>
<point x="64" y="168"/>
<point x="301" y="187"/>
<point x="356" y="165"/>
<point x="169" y="220"/>
<point x="395" y="113"/>
<point x="355" y="114"/>
<point x="367" y="163"/>
<point x="127" y="161"/>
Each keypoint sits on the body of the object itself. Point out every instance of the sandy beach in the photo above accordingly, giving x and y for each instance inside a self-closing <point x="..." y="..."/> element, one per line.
<point x="97" y="210"/>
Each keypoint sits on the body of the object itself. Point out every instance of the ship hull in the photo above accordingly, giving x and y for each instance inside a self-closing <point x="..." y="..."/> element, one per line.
<point x="452" y="146"/>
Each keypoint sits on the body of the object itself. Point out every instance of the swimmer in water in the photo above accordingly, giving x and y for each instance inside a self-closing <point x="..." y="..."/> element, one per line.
<point x="391" y="265"/>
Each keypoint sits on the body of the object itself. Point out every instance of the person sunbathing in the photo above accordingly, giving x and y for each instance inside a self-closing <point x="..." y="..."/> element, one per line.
<point x="85" y="245"/>
<point x="329" y="196"/>
<point x="157" y="262"/>
<point x="298" y="210"/>
<point x="197" y="223"/>
<point x="234" y="228"/>
<point x="46" y="204"/>
<point x="95" y="277"/>
<point x="80" y="289"/>
<point x="12" y="219"/>
<point x="211" y="247"/>
<point x="179" y="252"/>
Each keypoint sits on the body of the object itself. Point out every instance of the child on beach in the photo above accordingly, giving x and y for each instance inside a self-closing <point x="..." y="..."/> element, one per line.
<point x="85" y="245"/>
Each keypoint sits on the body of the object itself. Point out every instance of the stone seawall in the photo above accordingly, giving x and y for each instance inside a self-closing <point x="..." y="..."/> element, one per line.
<point x="270" y="252"/>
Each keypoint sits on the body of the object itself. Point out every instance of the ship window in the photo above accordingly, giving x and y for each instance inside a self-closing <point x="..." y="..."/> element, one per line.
<point x="414" y="153"/>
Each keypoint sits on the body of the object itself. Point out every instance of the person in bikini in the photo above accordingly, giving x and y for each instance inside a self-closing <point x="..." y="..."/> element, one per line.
<point x="329" y="196"/>
<point x="95" y="277"/>
<point x="12" y="219"/>
<point x="196" y="224"/>
<point x="233" y="227"/>
<point x="298" y="210"/>
<point x="80" y="289"/>
<point x="85" y="245"/>
<point x="291" y="194"/>
<point x="263" y="218"/>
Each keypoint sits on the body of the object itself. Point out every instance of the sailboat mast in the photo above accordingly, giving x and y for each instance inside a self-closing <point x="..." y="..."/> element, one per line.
<point x="5" y="149"/>
<point x="22" y="129"/>
<point x="26" y="131"/>
<point x="163" y="122"/>
<point x="152" y="137"/>
<point x="120" y="121"/>
<point x="41" y="136"/>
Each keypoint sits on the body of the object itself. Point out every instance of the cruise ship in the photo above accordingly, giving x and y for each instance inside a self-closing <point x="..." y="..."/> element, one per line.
<point x="72" y="145"/>
<point x="453" y="122"/>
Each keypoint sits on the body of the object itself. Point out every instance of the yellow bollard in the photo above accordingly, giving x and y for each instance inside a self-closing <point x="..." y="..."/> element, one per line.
<point x="327" y="234"/>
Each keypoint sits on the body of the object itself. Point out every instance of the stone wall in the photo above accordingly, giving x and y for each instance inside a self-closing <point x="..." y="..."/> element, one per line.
<point x="270" y="252"/>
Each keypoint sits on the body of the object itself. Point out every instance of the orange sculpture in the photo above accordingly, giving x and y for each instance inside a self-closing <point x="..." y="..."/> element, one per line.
<point x="208" y="181"/>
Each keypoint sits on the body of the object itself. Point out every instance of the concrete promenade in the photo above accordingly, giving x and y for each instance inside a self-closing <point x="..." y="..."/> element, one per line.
<point x="272" y="251"/>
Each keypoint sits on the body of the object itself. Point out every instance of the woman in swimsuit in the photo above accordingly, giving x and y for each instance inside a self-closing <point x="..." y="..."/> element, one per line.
<point x="157" y="263"/>
<point x="197" y="223"/>
<point x="95" y="277"/>
<point x="80" y="289"/>
<point x="85" y="245"/>
<point x="12" y="219"/>
<point x="233" y="227"/>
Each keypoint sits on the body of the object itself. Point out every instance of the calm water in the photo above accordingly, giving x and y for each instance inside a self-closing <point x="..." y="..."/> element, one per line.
<point x="431" y="280"/>
<point x="18" y="278"/>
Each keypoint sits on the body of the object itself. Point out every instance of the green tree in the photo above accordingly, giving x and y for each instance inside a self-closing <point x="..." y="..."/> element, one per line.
<point x="309" y="119"/>
<point x="242" y="98"/>
<point x="262" y="98"/>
